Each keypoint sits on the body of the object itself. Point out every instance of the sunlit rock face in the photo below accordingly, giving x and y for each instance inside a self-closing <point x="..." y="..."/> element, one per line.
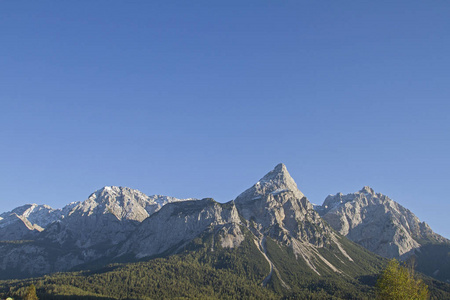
<point x="377" y="223"/>
<point x="279" y="208"/>
<point x="25" y="221"/>
<point x="176" y="224"/>
<point x="274" y="207"/>
<point x="118" y="223"/>
<point x="107" y="217"/>
<point x="77" y="234"/>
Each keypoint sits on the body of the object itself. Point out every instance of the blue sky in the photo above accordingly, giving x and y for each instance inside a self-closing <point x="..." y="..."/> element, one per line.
<point x="202" y="99"/>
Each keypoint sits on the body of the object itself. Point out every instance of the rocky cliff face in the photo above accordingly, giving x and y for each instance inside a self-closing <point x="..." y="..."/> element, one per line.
<point x="79" y="233"/>
<point x="276" y="208"/>
<point x="106" y="217"/>
<point x="117" y="223"/>
<point x="113" y="203"/>
<point x="17" y="227"/>
<point x="377" y="223"/>
<point x="280" y="209"/>
<point x="176" y="224"/>
<point x="123" y="203"/>
<point x="40" y="215"/>
<point x="25" y="221"/>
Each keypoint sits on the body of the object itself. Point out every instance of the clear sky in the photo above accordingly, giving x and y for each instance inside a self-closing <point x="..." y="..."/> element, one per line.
<point x="203" y="98"/>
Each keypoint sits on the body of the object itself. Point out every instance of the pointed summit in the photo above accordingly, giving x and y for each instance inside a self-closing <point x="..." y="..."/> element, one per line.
<point x="367" y="190"/>
<point x="277" y="209"/>
<point x="275" y="182"/>
<point x="280" y="171"/>
<point x="281" y="167"/>
<point x="278" y="180"/>
<point x="111" y="190"/>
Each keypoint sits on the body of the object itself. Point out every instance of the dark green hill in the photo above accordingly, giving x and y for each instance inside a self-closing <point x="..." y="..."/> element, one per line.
<point x="200" y="272"/>
<point x="434" y="260"/>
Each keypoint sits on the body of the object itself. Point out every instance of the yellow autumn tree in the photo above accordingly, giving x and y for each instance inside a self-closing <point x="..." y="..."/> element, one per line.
<point x="398" y="283"/>
<point x="30" y="293"/>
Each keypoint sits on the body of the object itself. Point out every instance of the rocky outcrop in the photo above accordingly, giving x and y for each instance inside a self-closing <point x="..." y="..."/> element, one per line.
<point x="107" y="217"/>
<point x="117" y="223"/>
<point x="79" y="233"/>
<point x="40" y="215"/>
<point x="276" y="208"/>
<point x="378" y="223"/>
<point x="279" y="208"/>
<point x="176" y="224"/>
<point x="25" y="221"/>
<point x="18" y="228"/>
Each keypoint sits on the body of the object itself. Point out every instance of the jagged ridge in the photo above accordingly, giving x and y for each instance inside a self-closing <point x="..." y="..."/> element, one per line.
<point x="385" y="227"/>
<point x="117" y="223"/>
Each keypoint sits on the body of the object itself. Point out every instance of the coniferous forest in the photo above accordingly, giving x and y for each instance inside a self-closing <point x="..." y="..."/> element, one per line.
<point x="199" y="273"/>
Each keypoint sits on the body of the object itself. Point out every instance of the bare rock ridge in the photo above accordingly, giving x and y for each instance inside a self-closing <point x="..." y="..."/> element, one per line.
<point x="24" y="221"/>
<point x="106" y="218"/>
<point x="118" y="223"/>
<point x="276" y="181"/>
<point x="383" y="226"/>
<point x="276" y="208"/>
<point x="121" y="222"/>
<point x="18" y="227"/>
<point x="117" y="203"/>
<point x="177" y="224"/>
<point x="124" y="203"/>
<point x="378" y="223"/>
<point x="79" y="233"/>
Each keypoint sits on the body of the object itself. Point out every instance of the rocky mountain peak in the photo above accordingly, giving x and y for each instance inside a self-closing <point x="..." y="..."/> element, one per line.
<point x="367" y="190"/>
<point x="377" y="223"/>
<point x="279" y="169"/>
<point x="277" y="206"/>
<point x="117" y="222"/>
<point x="39" y="216"/>
<point x="106" y="217"/>
<point x="279" y="177"/>
<point x="100" y="194"/>
<point x="122" y="202"/>
<point x="275" y="182"/>
<point x="177" y="223"/>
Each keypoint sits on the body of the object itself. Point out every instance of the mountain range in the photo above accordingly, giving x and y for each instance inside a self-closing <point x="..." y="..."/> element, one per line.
<point x="383" y="226"/>
<point x="289" y="239"/>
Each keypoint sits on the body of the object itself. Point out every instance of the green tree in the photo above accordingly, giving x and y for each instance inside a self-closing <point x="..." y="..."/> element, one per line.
<point x="398" y="283"/>
<point x="30" y="293"/>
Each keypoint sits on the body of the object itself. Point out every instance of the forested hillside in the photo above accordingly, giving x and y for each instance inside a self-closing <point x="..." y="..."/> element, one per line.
<point x="205" y="273"/>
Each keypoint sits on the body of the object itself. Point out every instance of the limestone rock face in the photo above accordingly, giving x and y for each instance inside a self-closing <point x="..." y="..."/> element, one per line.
<point x="18" y="228"/>
<point x="123" y="203"/>
<point x="279" y="208"/>
<point x="274" y="207"/>
<point x="77" y="234"/>
<point x="107" y="217"/>
<point x="378" y="223"/>
<point x="176" y="224"/>
<point x="117" y="223"/>
<point x="41" y="215"/>
<point x="24" y="221"/>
